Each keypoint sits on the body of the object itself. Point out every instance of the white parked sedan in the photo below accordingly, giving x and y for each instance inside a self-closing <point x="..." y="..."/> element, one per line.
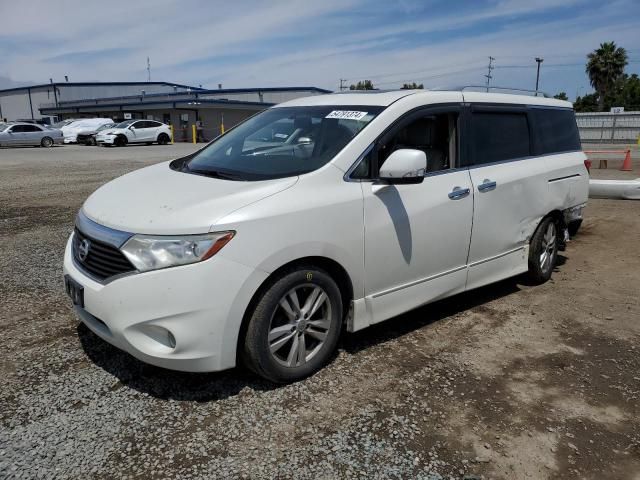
<point x="13" y="134"/>
<point x="135" y="131"/>
<point x="321" y="215"/>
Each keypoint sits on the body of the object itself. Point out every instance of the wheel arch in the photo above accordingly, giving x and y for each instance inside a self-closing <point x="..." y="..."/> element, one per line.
<point x="337" y="272"/>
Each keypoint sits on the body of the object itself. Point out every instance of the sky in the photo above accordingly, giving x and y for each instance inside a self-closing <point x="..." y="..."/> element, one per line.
<point x="254" y="43"/>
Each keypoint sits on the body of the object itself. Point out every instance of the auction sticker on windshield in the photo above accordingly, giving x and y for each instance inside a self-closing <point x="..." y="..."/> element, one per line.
<point x="347" y="115"/>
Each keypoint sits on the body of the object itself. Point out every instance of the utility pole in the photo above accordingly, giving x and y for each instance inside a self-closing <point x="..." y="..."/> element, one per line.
<point x="488" y="75"/>
<point x="148" y="70"/>
<point x="539" y="60"/>
<point x="342" y="85"/>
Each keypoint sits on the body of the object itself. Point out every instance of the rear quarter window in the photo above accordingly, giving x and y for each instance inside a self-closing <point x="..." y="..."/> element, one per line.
<point x="555" y="130"/>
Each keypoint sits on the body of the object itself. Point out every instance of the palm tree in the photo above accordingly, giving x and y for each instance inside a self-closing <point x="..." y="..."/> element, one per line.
<point x="604" y="66"/>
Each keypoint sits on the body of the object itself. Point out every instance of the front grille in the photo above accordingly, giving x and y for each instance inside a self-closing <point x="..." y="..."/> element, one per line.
<point x="83" y="137"/>
<point x="103" y="260"/>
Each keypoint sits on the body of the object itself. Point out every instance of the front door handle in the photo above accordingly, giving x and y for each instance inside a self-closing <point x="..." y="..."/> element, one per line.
<point x="458" y="193"/>
<point x="487" y="185"/>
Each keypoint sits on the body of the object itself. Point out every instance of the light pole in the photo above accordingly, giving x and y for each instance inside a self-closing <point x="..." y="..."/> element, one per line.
<point x="539" y="60"/>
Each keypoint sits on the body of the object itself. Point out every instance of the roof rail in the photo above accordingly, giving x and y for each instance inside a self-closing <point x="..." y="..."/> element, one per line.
<point x="506" y="90"/>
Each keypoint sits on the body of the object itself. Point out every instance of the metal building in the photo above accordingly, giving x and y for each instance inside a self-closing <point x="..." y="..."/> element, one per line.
<point x="211" y="110"/>
<point x="27" y="102"/>
<point x="181" y="106"/>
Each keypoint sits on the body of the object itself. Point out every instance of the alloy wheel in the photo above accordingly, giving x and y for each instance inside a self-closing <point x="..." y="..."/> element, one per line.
<point x="299" y="325"/>
<point x="548" y="247"/>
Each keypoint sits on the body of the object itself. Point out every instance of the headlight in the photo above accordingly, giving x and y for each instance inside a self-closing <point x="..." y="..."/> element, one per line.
<point x="147" y="252"/>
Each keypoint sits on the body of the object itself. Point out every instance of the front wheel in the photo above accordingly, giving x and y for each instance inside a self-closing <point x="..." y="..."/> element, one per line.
<point x="543" y="251"/>
<point x="294" y="328"/>
<point x="120" y="141"/>
<point x="46" y="142"/>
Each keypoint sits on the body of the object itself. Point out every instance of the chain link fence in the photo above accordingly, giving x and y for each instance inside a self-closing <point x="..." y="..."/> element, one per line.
<point x="622" y="128"/>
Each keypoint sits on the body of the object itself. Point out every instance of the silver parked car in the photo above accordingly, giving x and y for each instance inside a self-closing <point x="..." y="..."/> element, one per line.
<point x="29" y="134"/>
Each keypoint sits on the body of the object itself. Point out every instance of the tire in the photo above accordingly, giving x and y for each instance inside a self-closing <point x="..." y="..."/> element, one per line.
<point x="573" y="227"/>
<point x="46" y="142"/>
<point x="543" y="251"/>
<point x="275" y="317"/>
<point x="120" y="141"/>
<point x="92" y="142"/>
<point x="163" y="139"/>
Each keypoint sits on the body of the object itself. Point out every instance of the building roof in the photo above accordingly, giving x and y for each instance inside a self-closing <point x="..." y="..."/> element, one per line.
<point x="95" y="84"/>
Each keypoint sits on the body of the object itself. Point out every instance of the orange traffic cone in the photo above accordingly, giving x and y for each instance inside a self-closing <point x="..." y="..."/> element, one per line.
<point x="626" y="165"/>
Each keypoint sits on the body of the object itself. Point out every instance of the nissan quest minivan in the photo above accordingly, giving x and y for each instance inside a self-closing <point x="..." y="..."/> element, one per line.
<point x="323" y="215"/>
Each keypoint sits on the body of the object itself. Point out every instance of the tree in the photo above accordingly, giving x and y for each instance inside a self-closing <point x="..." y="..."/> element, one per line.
<point x="605" y="66"/>
<point x="363" y="85"/>
<point x="588" y="103"/>
<point x="561" y="96"/>
<point x="411" y="86"/>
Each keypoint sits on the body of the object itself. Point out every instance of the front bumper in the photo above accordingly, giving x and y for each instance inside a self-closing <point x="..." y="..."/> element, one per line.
<point x="107" y="139"/>
<point x="201" y="305"/>
<point x="70" y="139"/>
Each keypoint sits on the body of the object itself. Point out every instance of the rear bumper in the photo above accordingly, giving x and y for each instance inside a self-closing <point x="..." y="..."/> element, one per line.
<point x="574" y="213"/>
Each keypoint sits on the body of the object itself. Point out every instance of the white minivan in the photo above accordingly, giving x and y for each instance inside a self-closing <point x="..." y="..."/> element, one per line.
<point x="323" y="215"/>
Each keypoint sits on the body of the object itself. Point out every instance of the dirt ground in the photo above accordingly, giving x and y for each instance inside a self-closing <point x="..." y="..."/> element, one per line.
<point x="507" y="382"/>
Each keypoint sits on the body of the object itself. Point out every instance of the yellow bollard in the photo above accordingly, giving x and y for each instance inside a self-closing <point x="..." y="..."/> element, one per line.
<point x="171" y="126"/>
<point x="193" y="133"/>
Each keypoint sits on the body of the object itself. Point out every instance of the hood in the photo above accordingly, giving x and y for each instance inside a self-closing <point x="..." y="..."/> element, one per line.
<point x="159" y="200"/>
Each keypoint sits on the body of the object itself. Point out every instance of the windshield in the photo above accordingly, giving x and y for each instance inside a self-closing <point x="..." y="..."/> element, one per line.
<point x="4" y="126"/>
<point x="282" y="142"/>
<point x="125" y="124"/>
<point x="108" y="125"/>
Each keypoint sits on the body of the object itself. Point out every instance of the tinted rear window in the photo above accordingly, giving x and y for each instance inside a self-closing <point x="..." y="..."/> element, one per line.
<point x="555" y="131"/>
<point x="499" y="136"/>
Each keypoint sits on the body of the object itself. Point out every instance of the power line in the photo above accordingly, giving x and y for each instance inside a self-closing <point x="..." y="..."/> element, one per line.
<point x="383" y="75"/>
<point x="429" y="77"/>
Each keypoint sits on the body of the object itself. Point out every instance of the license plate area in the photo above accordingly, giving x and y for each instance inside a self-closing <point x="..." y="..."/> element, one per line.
<point x="74" y="290"/>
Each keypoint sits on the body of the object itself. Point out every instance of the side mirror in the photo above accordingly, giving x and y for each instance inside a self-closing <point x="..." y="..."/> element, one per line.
<point x="404" y="166"/>
<point x="304" y="141"/>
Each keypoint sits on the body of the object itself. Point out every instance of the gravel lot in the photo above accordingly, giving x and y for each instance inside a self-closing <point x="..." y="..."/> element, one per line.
<point x="510" y="381"/>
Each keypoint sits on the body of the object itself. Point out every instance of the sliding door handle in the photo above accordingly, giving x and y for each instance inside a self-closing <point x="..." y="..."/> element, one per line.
<point x="458" y="193"/>
<point x="487" y="185"/>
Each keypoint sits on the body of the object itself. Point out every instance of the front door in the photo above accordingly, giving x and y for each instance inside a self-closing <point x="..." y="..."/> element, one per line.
<point x="417" y="236"/>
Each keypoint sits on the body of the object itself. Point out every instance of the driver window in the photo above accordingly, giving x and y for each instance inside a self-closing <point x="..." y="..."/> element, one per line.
<point x="436" y="135"/>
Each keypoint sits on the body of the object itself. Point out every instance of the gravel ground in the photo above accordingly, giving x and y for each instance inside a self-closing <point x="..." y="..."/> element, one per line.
<point x="510" y="381"/>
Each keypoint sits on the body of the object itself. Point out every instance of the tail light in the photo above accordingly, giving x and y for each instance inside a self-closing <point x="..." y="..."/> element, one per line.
<point x="587" y="163"/>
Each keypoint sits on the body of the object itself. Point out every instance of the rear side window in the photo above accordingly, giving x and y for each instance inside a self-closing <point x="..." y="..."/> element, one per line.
<point x="555" y="131"/>
<point x="499" y="136"/>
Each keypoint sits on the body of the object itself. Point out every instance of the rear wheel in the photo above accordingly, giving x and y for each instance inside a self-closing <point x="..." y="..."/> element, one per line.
<point x="163" y="139"/>
<point x="543" y="251"/>
<point x="46" y="142"/>
<point x="120" y="141"/>
<point x="294" y="328"/>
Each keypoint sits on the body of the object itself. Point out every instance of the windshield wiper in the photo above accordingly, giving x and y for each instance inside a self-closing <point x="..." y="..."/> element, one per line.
<point x="213" y="173"/>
